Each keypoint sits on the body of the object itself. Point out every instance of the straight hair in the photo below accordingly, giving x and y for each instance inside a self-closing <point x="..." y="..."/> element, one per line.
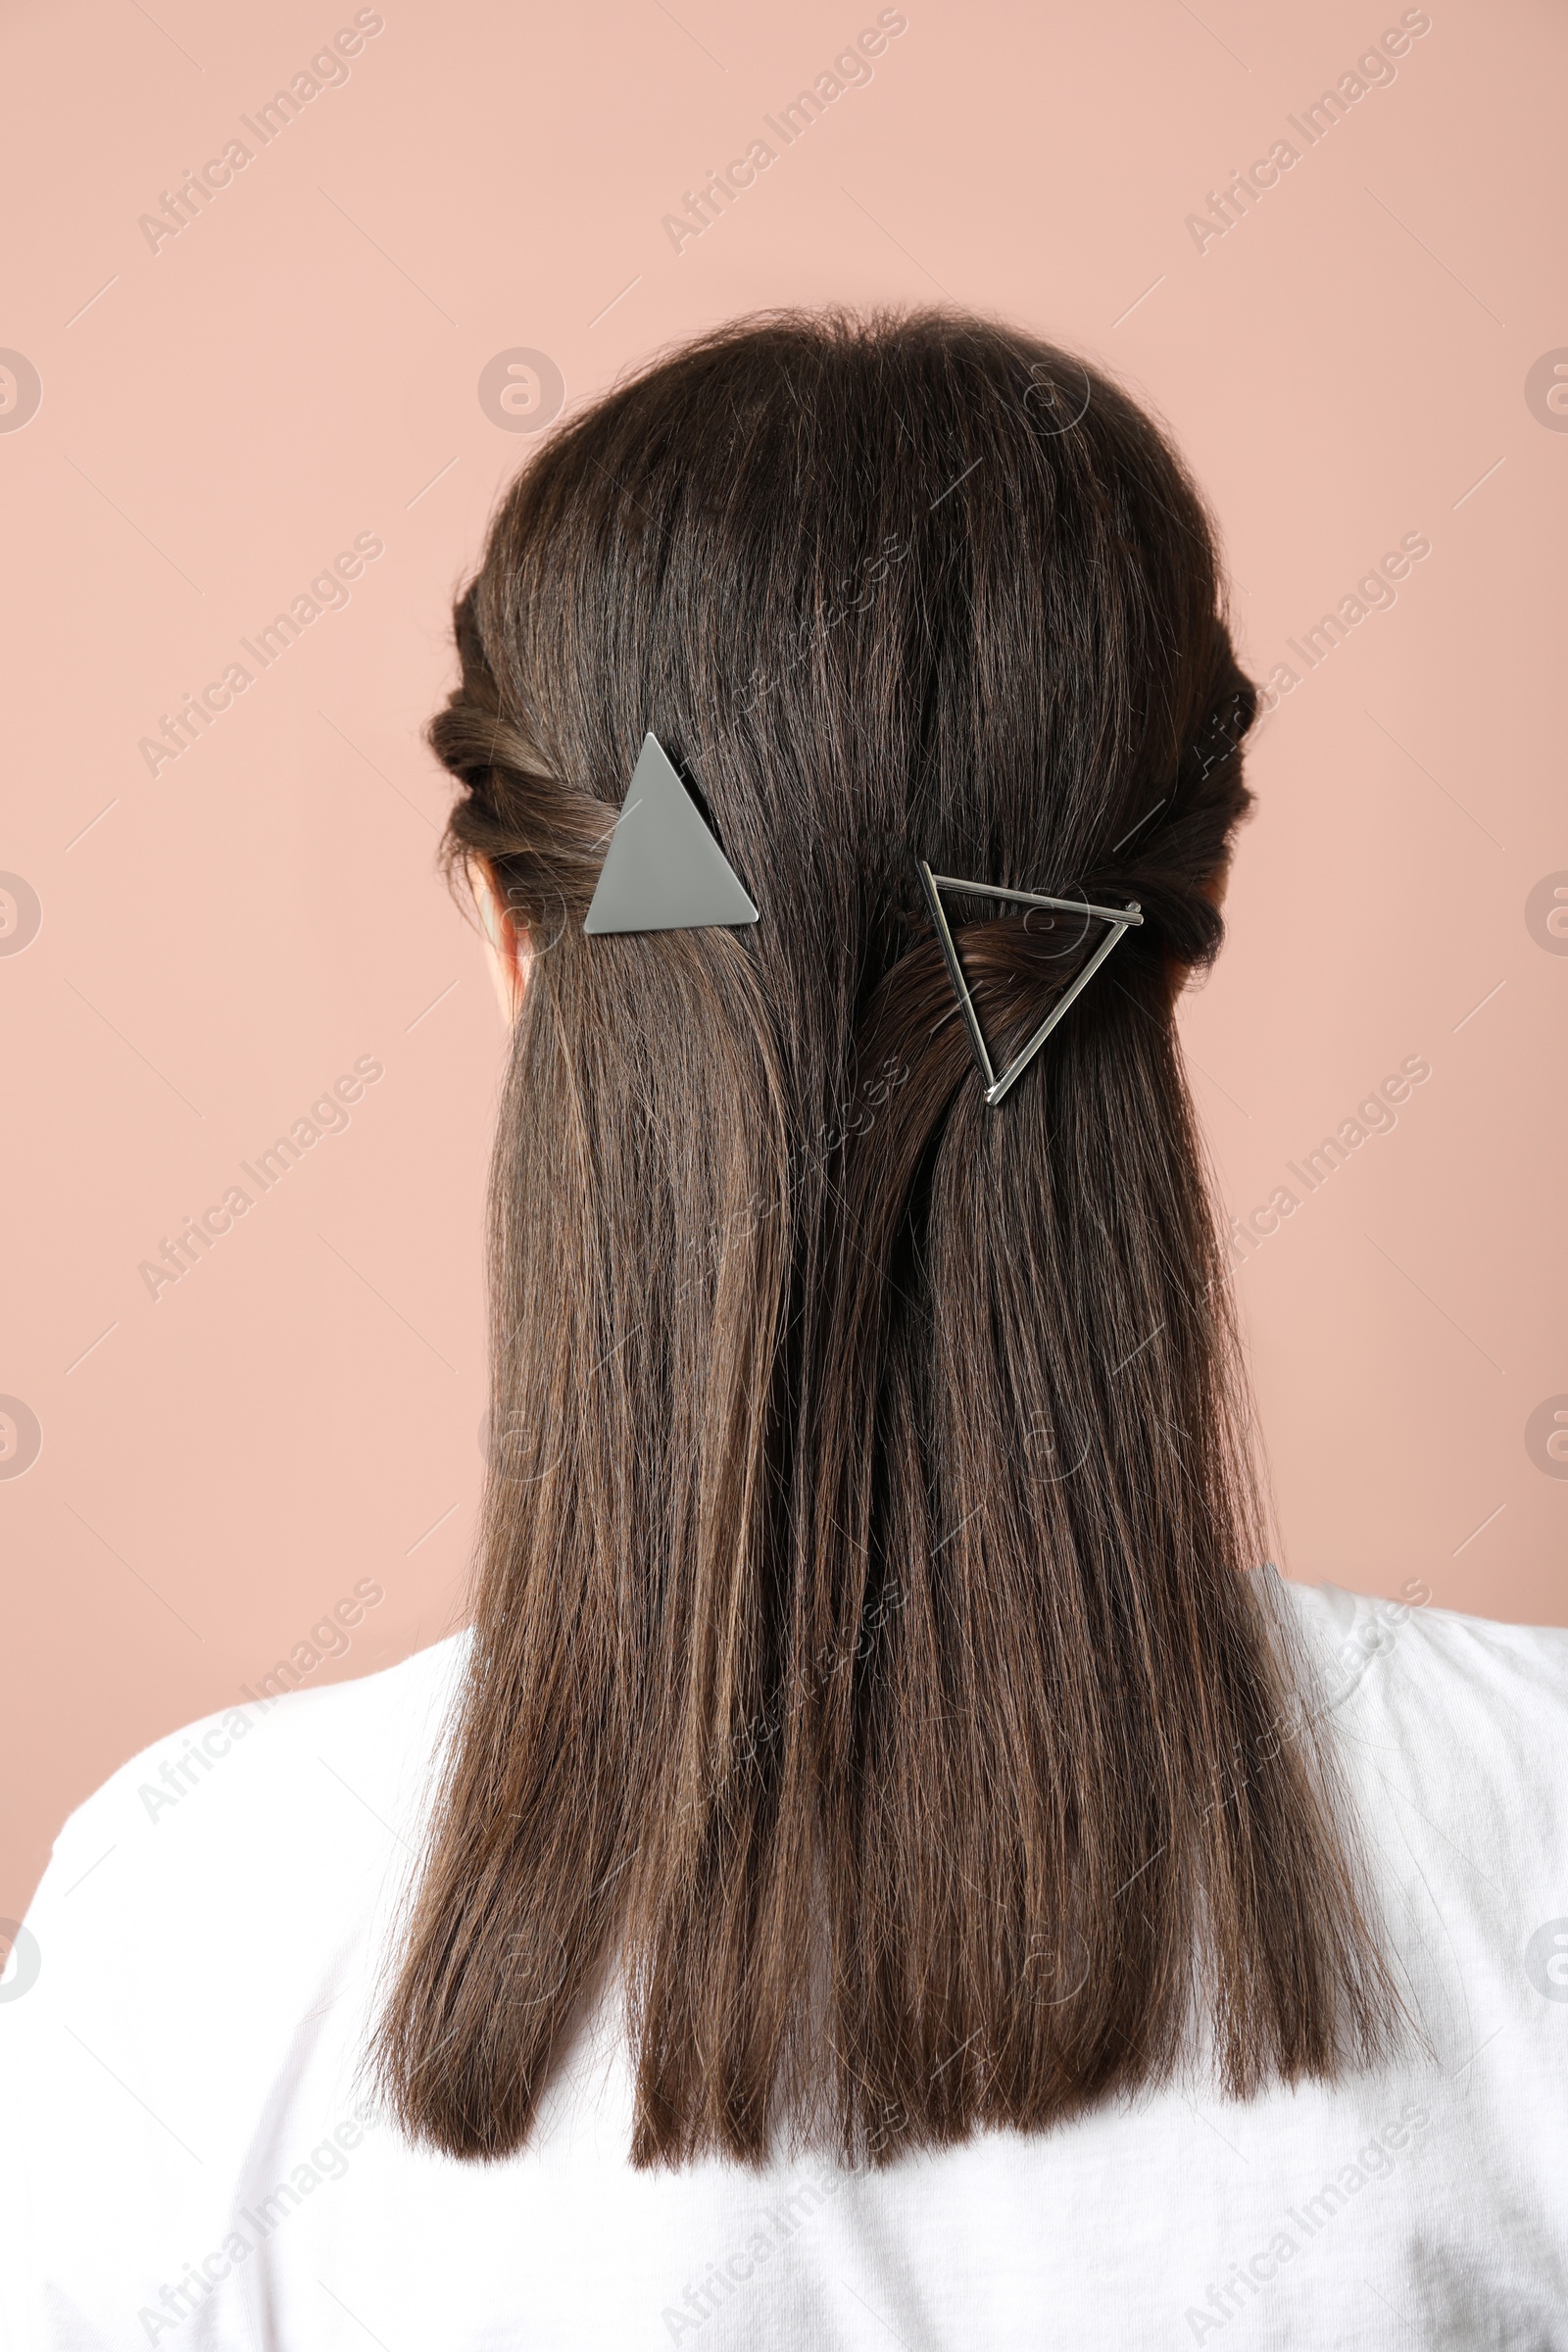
<point x="873" y="1684"/>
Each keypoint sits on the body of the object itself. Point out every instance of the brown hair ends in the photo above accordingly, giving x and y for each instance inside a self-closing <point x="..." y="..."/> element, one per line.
<point x="866" y="1677"/>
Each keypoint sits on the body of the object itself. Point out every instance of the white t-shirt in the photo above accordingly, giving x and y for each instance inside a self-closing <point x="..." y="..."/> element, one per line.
<point x="187" y="2158"/>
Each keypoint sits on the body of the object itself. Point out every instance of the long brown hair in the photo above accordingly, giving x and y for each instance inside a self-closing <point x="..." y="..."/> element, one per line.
<point x="866" y="1676"/>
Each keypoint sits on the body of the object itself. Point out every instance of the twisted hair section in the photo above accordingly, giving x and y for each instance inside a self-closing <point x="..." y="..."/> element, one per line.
<point x="871" y="1693"/>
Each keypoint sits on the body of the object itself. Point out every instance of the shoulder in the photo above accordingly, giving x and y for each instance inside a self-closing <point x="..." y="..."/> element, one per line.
<point x="1449" y="1722"/>
<point x="1474" y="1662"/>
<point x="245" y="1755"/>
<point x="210" y="1927"/>
<point x="261" y="1826"/>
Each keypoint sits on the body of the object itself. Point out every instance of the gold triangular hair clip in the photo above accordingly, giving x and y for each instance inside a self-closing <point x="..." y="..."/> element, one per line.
<point x="1119" y="919"/>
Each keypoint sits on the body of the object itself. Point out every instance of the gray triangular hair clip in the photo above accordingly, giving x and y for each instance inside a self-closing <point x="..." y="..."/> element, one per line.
<point x="1119" y="919"/>
<point x="664" y="870"/>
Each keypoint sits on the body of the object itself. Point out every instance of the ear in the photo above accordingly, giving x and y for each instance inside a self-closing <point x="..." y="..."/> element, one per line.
<point x="507" y="946"/>
<point x="1218" y="883"/>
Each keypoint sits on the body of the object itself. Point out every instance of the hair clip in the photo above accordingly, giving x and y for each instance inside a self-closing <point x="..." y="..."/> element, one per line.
<point x="664" y="870"/>
<point x="1119" y="919"/>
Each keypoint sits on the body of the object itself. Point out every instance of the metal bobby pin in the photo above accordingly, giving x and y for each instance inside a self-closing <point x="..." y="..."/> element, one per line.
<point x="1120" y="919"/>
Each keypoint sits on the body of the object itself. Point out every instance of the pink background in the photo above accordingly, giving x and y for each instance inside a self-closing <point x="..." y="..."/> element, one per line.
<point x="1345" y="365"/>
